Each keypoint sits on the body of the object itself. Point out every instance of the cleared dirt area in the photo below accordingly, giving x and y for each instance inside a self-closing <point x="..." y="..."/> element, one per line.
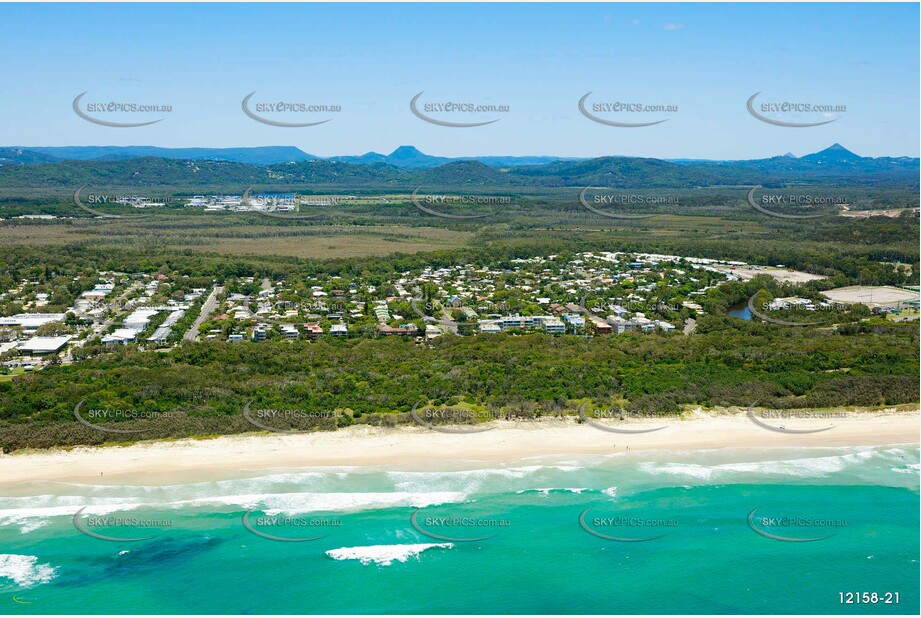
<point x="871" y="295"/>
<point x="781" y="274"/>
<point x="863" y="214"/>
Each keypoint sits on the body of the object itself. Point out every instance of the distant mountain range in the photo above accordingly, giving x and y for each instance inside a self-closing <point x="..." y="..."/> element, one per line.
<point x="408" y="157"/>
<point x="407" y="167"/>
<point x="260" y="155"/>
<point x="18" y="156"/>
<point x="411" y="157"/>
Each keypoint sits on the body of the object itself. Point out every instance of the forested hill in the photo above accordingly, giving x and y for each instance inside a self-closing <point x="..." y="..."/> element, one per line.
<point x="833" y="166"/>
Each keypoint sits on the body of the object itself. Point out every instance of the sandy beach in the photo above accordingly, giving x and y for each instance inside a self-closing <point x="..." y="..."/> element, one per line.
<point x="181" y="461"/>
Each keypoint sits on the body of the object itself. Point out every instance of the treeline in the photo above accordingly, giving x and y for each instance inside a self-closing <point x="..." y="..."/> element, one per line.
<point x="202" y="388"/>
<point x="876" y="251"/>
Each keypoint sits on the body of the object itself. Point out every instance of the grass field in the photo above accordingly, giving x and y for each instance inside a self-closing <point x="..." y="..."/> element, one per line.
<point x="235" y="240"/>
<point x="18" y="371"/>
<point x="340" y="235"/>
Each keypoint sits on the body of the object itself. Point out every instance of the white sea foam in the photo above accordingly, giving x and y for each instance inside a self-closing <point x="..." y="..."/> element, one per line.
<point x="908" y="469"/>
<point x="383" y="555"/>
<point x="358" y="489"/>
<point x="482" y="480"/>
<point x="813" y="467"/>
<point x="697" y="471"/>
<point x="546" y="491"/>
<point x="31" y="513"/>
<point x="296" y="503"/>
<point x="468" y="480"/>
<point x="25" y="570"/>
<point x="28" y="524"/>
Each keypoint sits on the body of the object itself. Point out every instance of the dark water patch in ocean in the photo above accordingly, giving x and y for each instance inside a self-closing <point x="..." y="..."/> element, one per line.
<point x="861" y="503"/>
<point x="161" y="554"/>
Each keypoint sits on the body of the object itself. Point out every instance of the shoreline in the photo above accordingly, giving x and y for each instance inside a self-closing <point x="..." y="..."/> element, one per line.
<point x="227" y="457"/>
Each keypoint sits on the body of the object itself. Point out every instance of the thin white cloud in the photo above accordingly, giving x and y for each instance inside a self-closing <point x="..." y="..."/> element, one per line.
<point x="673" y="26"/>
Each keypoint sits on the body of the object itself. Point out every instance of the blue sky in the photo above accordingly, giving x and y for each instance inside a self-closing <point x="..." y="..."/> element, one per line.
<point x="539" y="59"/>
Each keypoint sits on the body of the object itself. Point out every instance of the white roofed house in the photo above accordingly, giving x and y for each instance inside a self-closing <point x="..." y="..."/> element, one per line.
<point x="99" y="292"/>
<point x="489" y="326"/>
<point x="139" y="319"/>
<point x="93" y="295"/>
<point x="43" y="345"/>
<point x="160" y="335"/>
<point x="432" y="331"/>
<point x="7" y="346"/>
<point x="776" y="305"/>
<point x="791" y="302"/>
<point x="575" y="321"/>
<point x="260" y="332"/>
<point x="31" y="321"/>
<point x="289" y="331"/>
<point x="553" y="325"/>
<point x="121" y="336"/>
<point x="241" y="313"/>
<point x="84" y="305"/>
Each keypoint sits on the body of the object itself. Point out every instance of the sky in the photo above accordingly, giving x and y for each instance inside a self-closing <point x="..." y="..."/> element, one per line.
<point x="539" y="60"/>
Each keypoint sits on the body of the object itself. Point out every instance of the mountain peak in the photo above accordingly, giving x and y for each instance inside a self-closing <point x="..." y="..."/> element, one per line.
<point x="406" y="151"/>
<point x="412" y="157"/>
<point x="834" y="153"/>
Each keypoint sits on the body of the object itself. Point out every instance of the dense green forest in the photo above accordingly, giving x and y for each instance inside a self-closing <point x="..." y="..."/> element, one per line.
<point x="202" y="388"/>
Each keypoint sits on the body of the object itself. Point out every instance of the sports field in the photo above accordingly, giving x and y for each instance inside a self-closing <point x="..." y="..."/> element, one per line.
<point x="871" y="295"/>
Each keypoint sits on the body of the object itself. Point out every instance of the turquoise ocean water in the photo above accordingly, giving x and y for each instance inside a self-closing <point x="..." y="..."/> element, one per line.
<point x="723" y="532"/>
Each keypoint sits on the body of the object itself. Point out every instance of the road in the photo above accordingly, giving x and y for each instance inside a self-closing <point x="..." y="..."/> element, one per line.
<point x="448" y="322"/>
<point x="116" y="306"/>
<point x="118" y="303"/>
<point x="206" y="309"/>
<point x="689" y="326"/>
